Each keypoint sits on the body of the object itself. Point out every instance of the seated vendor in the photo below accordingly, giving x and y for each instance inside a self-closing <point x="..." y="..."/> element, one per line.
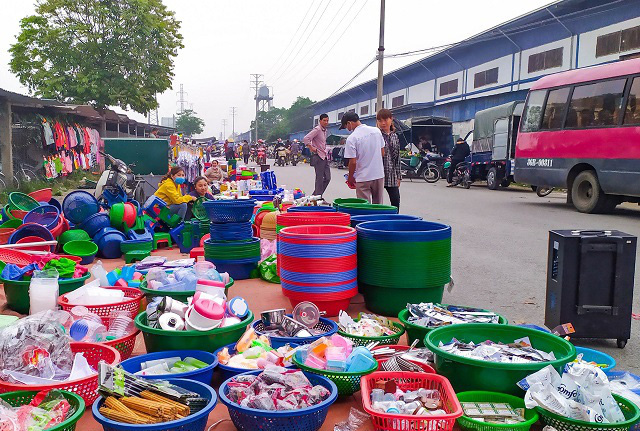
<point x="169" y="191"/>
<point x="201" y="189"/>
<point x="215" y="172"/>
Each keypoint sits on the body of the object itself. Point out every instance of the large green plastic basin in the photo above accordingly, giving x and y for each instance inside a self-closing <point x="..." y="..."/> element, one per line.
<point x="159" y="340"/>
<point x="389" y="301"/>
<point x="17" y="292"/>
<point x="179" y="296"/>
<point x="468" y="374"/>
<point x="417" y="332"/>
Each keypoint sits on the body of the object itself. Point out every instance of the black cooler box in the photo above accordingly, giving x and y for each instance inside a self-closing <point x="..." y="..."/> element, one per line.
<point x="590" y="283"/>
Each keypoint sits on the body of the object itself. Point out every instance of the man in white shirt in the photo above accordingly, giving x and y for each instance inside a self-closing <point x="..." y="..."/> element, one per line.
<point x="364" y="149"/>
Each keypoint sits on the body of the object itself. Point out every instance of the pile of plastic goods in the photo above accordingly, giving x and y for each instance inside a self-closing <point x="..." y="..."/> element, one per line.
<point x="319" y="264"/>
<point x="335" y="353"/>
<point x="432" y="315"/>
<point x="36" y="350"/>
<point x="368" y="325"/>
<point x="276" y="389"/>
<point x="518" y="352"/>
<point x="83" y="325"/>
<point x="173" y="365"/>
<point x="47" y="409"/>
<point x="183" y="279"/>
<point x="419" y="402"/>
<point x="582" y="393"/>
<point x="37" y="209"/>
<point x="255" y="352"/>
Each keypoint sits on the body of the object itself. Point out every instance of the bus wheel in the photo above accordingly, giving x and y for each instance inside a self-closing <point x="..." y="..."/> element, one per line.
<point x="587" y="195"/>
<point x="492" y="179"/>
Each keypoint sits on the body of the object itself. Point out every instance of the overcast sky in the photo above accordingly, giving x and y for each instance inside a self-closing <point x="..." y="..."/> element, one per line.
<point x="225" y="41"/>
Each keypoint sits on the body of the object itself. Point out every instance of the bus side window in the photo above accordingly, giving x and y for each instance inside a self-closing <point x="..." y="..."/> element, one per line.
<point x="597" y="104"/>
<point x="532" y="113"/>
<point x="555" y="108"/>
<point x="632" y="114"/>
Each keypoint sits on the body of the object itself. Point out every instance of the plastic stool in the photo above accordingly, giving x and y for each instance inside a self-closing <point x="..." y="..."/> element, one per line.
<point x="196" y="252"/>
<point x="153" y="205"/>
<point x="171" y="220"/>
<point x="136" y="255"/>
<point x="160" y="237"/>
<point x="140" y="234"/>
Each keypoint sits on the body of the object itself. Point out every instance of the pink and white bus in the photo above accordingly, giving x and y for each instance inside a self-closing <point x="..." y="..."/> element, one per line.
<point x="580" y="130"/>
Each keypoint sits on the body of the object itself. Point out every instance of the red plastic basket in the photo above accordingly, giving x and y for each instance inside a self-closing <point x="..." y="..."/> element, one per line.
<point x="398" y="348"/>
<point x="42" y="195"/>
<point x="313" y="218"/>
<point x="131" y="304"/>
<point x="204" y="238"/>
<point x="320" y="265"/>
<point x="316" y="231"/>
<point x="86" y="387"/>
<point x="16" y="257"/>
<point x="347" y="294"/>
<point x="5" y="233"/>
<point x="412" y="381"/>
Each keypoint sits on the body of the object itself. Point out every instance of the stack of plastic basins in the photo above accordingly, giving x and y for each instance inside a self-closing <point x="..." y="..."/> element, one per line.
<point x="402" y="262"/>
<point x="232" y="247"/>
<point x="319" y="264"/>
<point x="289" y="219"/>
<point x="356" y="209"/>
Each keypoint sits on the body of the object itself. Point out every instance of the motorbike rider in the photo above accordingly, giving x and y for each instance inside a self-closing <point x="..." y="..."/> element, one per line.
<point x="281" y="149"/>
<point x="459" y="152"/>
<point x="295" y="148"/>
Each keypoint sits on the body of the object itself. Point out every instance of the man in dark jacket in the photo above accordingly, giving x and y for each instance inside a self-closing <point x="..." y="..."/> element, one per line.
<point x="460" y="152"/>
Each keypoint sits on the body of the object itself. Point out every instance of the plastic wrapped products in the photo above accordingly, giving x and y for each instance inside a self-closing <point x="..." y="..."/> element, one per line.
<point x="386" y="397"/>
<point x="367" y="325"/>
<point x="518" y="352"/>
<point x="581" y="393"/>
<point x="433" y="315"/>
<point x="276" y="388"/>
<point x="46" y="410"/>
<point x="255" y="352"/>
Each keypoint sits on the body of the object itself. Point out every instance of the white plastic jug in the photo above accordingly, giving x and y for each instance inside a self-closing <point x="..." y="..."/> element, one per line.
<point x="43" y="294"/>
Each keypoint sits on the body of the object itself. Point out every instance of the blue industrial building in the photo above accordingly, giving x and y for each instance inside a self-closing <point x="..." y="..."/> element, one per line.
<point x="496" y="66"/>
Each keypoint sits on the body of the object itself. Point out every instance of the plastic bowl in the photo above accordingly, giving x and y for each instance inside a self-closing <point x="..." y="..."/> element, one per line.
<point x="468" y="374"/>
<point x="600" y="358"/>
<point x="203" y="375"/>
<point x="46" y="215"/>
<point x="108" y="240"/>
<point x="94" y="223"/>
<point x="73" y="235"/>
<point x="417" y="332"/>
<point x="193" y="422"/>
<point x="79" y="205"/>
<point x="5" y="234"/>
<point x="17" y="291"/>
<point x="307" y="419"/>
<point x="21" y="398"/>
<point x="28" y="239"/>
<point x="179" y="296"/>
<point x="158" y="340"/>
<point x="42" y="195"/>
<point x="87" y="250"/>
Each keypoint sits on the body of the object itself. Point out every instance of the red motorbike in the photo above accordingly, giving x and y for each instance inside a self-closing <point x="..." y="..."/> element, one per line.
<point x="262" y="156"/>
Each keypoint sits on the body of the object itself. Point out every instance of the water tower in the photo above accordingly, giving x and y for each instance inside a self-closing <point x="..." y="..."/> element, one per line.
<point x="264" y="100"/>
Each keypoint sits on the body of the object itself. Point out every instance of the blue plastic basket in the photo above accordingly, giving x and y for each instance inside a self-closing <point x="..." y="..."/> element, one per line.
<point x="79" y="205"/>
<point x="30" y="229"/>
<point x="356" y="220"/>
<point x="286" y="285"/>
<point x="94" y="223"/>
<point x="268" y="179"/>
<point x="108" y="240"/>
<point x="45" y="215"/>
<point x="54" y="202"/>
<point x="231" y="231"/>
<point x="230" y="211"/>
<point x="404" y="231"/>
<point x="612" y="374"/>
<point x="318" y="208"/>
<point x="239" y="269"/>
<point x="592" y="355"/>
<point x="265" y="192"/>
<point x="194" y="422"/>
<point x="363" y="211"/>
<point x="308" y="419"/>
<point x="325" y="328"/>
<point x="203" y="375"/>
<point x="317" y="251"/>
<point x="319" y="278"/>
<point x="222" y="244"/>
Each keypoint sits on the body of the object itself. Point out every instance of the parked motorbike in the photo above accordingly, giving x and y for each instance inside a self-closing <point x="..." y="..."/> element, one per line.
<point x="294" y="159"/>
<point x="460" y="174"/>
<point x="421" y="168"/>
<point x="119" y="177"/>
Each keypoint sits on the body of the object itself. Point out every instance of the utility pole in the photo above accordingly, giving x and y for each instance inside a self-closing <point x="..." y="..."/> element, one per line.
<point x="233" y="121"/>
<point x="380" y="58"/>
<point x="224" y="128"/>
<point x="255" y="85"/>
<point x="182" y="99"/>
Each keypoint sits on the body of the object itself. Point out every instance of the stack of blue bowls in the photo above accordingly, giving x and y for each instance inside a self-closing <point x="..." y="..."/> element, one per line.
<point x="230" y="229"/>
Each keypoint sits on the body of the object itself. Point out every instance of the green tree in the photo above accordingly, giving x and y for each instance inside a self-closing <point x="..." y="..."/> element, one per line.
<point x="188" y="123"/>
<point x="105" y="53"/>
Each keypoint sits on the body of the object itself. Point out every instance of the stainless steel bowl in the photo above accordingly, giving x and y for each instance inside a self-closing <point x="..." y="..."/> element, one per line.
<point x="291" y="327"/>
<point x="273" y="318"/>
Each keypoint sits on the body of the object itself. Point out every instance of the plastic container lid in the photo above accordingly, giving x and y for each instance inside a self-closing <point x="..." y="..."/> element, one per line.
<point x="208" y="307"/>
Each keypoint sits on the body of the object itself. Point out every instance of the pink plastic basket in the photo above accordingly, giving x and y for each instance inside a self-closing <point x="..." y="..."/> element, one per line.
<point x="412" y="381"/>
<point x="86" y="387"/>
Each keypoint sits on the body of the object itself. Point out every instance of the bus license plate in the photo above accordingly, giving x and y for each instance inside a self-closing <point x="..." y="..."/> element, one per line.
<point x="541" y="163"/>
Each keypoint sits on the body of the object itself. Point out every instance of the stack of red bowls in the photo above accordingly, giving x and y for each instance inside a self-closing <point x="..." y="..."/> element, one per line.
<point x="318" y="263"/>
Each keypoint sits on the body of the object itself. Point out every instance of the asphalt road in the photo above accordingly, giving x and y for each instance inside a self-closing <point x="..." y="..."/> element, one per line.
<point x="499" y="243"/>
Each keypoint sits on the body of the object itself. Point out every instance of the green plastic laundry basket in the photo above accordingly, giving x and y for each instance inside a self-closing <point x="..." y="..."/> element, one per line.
<point x="73" y="235"/>
<point x="80" y="248"/>
<point x="22" y="201"/>
<point x="358" y="340"/>
<point x="17" y="291"/>
<point x="341" y="201"/>
<point x="470" y="424"/>
<point x="467" y="374"/>
<point x="389" y="301"/>
<point x="160" y="340"/>
<point x="347" y="383"/>
<point x="417" y="332"/>
<point x="21" y="398"/>
<point x="179" y="296"/>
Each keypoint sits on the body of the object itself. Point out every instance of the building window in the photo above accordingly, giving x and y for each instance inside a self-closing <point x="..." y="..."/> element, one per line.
<point x="618" y="41"/>
<point x="596" y="105"/>
<point x="397" y="101"/>
<point x="449" y="87"/>
<point x="340" y="114"/>
<point x="555" y="108"/>
<point x="485" y="77"/>
<point x="352" y="110"/>
<point x="545" y="60"/>
<point x="364" y="110"/>
<point x="376" y="105"/>
<point x="316" y="122"/>
<point x="532" y="113"/>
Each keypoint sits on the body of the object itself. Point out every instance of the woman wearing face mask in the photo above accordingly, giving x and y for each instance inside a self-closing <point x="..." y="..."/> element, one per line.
<point x="169" y="191"/>
<point x="201" y="189"/>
